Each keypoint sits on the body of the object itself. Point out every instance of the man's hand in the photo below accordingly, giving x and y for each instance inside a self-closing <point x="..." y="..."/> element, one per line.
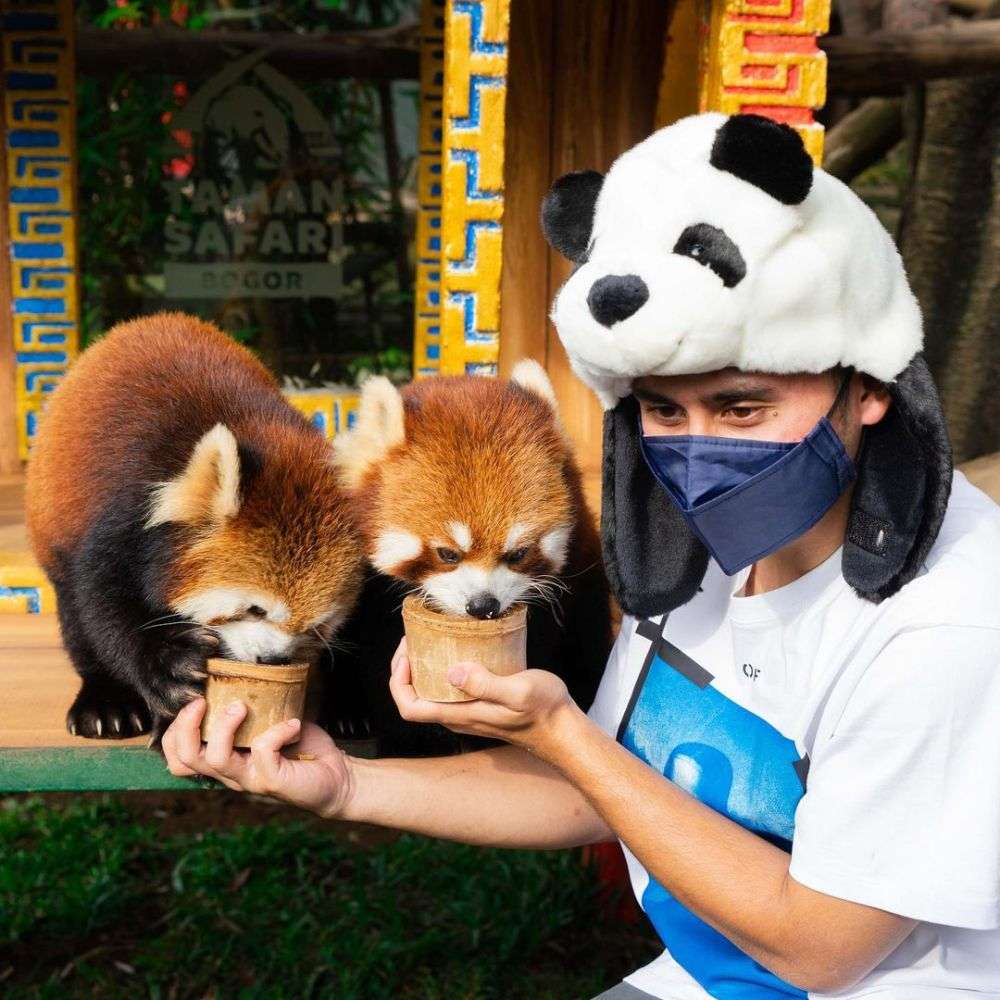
<point x="323" y="783"/>
<point x="526" y="708"/>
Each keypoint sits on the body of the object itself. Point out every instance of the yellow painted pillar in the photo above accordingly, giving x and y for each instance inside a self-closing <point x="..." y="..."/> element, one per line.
<point x="39" y="131"/>
<point x="430" y="188"/>
<point x="752" y="56"/>
<point x="475" y="92"/>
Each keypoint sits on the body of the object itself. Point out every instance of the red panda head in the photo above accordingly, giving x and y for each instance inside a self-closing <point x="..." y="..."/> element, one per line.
<point x="269" y="556"/>
<point x="466" y="486"/>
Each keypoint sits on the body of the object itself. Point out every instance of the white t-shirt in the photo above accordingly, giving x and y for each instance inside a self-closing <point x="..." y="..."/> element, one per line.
<point x="863" y="738"/>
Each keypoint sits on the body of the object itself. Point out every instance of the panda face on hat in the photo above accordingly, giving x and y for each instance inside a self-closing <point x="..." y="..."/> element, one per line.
<point x="715" y="243"/>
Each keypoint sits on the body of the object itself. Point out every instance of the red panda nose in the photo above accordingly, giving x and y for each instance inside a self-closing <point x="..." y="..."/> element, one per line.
<point x="483" y="606"/>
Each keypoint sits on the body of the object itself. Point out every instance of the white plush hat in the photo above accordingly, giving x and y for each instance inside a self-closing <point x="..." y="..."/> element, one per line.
<point x="716" y="243"/>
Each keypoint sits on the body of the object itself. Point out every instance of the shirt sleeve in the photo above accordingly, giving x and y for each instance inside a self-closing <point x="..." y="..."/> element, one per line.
<point x="902" y="808"/>
<point x="607" y="709"/>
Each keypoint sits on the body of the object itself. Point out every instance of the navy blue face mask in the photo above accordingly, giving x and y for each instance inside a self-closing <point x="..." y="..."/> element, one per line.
<point x="746" y="499"/>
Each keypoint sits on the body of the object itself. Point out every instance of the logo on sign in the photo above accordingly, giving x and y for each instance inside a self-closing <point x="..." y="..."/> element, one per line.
<point x="259" y="215"/>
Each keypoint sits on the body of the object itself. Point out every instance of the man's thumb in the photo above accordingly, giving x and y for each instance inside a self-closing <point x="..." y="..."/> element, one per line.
<point x="471" y="678"/>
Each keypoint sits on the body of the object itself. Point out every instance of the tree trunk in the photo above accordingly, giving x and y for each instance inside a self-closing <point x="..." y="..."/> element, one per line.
<point x="951" y="248"/>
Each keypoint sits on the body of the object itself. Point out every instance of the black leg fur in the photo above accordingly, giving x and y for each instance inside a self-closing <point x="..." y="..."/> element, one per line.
<point x="121" y="637"/>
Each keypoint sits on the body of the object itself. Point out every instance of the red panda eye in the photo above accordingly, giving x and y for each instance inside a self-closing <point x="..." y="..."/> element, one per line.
<point x="448" y="555"/>
<point x="516" y="556"/>
<point x="255" y="611"/>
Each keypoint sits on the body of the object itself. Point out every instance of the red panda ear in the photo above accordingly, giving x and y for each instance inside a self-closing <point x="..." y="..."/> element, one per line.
<point x="533" y="378"/>
<point x="207" y="491"/>
<point x="380" y="427"/>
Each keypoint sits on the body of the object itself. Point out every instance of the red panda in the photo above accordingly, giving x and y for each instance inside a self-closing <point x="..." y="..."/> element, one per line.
<point x="467" y="491"/>
<point x="182" y="508"/>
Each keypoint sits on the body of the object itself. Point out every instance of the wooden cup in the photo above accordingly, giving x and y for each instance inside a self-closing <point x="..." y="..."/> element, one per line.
<point x="436" y="641"/>
<point x="272" y="693"/>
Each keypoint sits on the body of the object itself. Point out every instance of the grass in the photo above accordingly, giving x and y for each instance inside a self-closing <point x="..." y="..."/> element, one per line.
<point x="96" y="901"/>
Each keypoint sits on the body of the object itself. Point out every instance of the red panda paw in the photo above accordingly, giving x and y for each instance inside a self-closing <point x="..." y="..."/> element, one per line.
<point x="106" y="709"/>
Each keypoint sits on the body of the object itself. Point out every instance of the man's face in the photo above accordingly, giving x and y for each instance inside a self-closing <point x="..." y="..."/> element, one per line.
<point x="731" y="403"/>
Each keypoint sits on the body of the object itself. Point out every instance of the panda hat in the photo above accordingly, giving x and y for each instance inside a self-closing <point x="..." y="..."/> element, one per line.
<point x="716" y="243"/>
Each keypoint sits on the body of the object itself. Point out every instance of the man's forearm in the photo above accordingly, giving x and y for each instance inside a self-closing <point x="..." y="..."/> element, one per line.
<point x="501" y="797"/>
<point x="731" y="878"/>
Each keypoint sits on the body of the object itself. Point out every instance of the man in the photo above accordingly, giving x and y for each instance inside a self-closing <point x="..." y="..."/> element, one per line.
<point x="795" y="739"/>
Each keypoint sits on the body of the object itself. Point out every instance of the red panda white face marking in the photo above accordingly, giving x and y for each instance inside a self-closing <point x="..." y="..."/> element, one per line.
<point x="555" y="545"/>
<point x="471" y="588"/>
<point x="394" y="548"/>
<point x="460" y="532"/>
<point x="466" y="488"/>
<point x="253" y="626"/>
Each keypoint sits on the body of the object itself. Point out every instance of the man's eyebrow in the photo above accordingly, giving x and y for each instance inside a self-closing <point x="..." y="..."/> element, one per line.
<point x="732" y="394"/>
<point x="648" y="396"/>
<point x="741" y="391"/>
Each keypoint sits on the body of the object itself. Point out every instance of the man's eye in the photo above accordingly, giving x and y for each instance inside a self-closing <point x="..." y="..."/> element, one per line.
<point x="516" y="556"/>
<point x="666" y="412"/>
<point x="448" y="555"/>
<point x="256" y="611"/>
<point x="742" y="412"/>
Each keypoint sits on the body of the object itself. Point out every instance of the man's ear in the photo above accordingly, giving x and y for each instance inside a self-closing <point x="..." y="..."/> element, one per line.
<point x="207" y="491"/>
<point x="568" y="213"/>
<point x="875" y="400"/>
<point x="380" y="427"/>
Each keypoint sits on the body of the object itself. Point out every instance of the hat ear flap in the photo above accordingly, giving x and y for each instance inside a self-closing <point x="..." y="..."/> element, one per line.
<point x="904" y="481"/>
<point x="653" y="560"/>
<point x="568" y="213"/>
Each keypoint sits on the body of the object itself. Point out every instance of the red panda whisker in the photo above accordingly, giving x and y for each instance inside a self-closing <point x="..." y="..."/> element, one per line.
<point x="173" y="624"/>
<point x="319" y="635"/>
<point x="174" y="618"/>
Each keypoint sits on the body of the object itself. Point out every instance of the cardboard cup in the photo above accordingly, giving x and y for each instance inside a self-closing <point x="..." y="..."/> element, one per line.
<point x="437" y="641"/>
<point x="272" y="693"/>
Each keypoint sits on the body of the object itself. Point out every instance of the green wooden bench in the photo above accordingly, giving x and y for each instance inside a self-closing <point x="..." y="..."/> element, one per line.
<point x="37" y="754"/>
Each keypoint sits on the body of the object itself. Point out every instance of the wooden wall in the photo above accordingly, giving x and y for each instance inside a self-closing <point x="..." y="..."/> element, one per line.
<point x="582" y="88"/>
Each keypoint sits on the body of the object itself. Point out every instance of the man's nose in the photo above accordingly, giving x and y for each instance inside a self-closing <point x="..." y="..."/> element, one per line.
<point x="616" y="297"/>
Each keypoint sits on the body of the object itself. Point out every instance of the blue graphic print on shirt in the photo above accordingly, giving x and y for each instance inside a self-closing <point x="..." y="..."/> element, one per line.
<point x="733" y="761"/>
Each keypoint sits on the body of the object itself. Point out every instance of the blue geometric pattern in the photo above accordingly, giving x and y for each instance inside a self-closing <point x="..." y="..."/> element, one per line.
<point x="467" y="301"/>
<point x="477" y="84"/>
<point x="40" y="213"/>
<point x="477" y="44"/>
<point x="470" y="157"/>
<point x="472" y="231"/>
<point x="31" y="593"/>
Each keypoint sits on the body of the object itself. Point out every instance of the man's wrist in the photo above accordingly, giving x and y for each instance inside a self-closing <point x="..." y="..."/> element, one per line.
<point x="561" y="732"/>
<point x="346" y="804"/>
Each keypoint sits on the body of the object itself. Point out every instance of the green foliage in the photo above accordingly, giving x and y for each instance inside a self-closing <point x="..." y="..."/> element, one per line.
<point x="288" y="910"/>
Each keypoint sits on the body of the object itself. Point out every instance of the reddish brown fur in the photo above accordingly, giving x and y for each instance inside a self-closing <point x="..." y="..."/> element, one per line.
<point x="484" y="451"/>
<point x="129" y="414"/>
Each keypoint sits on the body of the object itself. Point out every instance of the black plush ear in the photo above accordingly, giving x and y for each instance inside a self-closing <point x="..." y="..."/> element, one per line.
<point x="768" y="154"/>
<point x="568" y="213"/>
<point x="904" y="481"/>
<point x="653" y="560"/>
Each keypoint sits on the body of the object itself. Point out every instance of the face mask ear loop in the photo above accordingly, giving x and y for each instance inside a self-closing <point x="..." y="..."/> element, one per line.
<point x="841" y="392"/>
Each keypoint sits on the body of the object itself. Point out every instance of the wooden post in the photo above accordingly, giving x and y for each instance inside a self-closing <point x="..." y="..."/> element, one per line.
<point x="524" y="282"/>
<point x="40" y="306"/>
<point x="605" y="78"/>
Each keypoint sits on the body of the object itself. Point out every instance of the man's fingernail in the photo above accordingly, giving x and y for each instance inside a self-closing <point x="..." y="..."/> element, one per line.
<point x="233" y="708"/>
<point x="294" y="723"/>
<point x="457" y="675"/>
